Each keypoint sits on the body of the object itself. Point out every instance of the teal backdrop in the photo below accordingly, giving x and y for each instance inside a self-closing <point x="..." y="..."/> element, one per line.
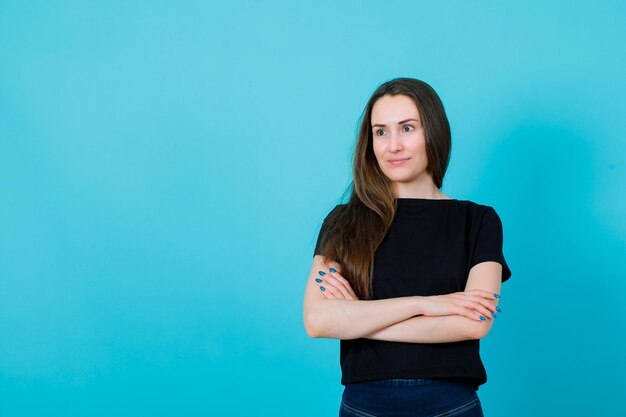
<point x="165" y="168"/>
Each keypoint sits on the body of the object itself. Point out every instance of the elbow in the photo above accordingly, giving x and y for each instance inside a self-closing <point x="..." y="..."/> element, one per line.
<point x="480" y="330"/>
<point x="312" y="325"/>
<point x="318" y="323"/>
<point x="480" y="334"/>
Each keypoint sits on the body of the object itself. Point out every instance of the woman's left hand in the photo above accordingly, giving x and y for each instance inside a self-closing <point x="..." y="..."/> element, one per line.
<point x="333" y="284"/>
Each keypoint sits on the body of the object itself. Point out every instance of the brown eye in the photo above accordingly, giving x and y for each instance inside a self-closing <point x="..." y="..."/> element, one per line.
<point x="410" y="128"/>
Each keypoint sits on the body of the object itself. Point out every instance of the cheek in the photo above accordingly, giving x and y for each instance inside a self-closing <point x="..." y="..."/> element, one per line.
<point x="378" y="150"/>
<point x="419" y="145"/>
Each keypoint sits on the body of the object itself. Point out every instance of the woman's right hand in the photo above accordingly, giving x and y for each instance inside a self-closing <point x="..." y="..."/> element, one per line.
<point x="473" y="304"/>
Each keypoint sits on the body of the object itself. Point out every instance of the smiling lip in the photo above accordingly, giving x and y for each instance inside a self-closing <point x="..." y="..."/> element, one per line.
<point x="397" y="161"/>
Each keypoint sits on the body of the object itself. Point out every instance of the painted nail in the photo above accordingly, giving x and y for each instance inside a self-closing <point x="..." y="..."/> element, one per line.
<point x="322" y="288"/>
<point x="482" y="318"/>
<point x="322" y="273"/>
<point x="493" y="314"/>
<point x="333" y="270"/>
<point x="496" y="295"/>
<point x="498" y="309"/>
<point x="319" y="281"/>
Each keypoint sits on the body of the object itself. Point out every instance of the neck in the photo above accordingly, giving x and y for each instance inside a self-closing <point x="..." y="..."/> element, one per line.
<point x="425" y="189"/>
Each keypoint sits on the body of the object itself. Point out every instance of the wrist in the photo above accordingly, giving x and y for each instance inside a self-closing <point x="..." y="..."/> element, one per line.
<point x="418" y="305"/>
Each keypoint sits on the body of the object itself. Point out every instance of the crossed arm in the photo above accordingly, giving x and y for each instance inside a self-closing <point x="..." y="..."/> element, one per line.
<point x="337" y="313"/>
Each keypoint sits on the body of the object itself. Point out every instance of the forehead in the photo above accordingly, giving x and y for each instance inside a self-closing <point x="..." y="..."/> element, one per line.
<point x="389" y="109"/>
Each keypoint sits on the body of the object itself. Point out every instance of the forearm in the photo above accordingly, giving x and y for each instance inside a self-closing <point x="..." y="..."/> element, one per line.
<point x="426" y="329"/>
<point x="350" y="319"/>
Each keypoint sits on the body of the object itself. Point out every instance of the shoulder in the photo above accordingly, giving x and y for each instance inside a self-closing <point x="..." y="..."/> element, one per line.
<point x="333" y="212"/>
<point x="481" y="213"/>
<point x="337" y="209"/>
<point x="478" y="207"/>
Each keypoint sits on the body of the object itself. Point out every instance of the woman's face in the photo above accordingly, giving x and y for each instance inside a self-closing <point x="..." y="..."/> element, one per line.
<point x="399" y="142"/>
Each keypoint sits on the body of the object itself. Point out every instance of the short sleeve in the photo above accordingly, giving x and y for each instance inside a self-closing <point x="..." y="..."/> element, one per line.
<point x="322" y="230"/>
<point x="489" y="242"/>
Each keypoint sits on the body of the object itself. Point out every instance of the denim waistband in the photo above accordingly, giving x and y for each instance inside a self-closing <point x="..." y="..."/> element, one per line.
<point x="440" y="382"/>
<point x="430" y="395"/>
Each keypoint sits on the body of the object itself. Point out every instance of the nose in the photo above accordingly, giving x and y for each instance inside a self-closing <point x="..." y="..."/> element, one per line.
<point x="395" y="143"/>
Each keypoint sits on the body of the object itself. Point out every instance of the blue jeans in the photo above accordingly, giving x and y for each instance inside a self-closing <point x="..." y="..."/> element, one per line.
<point x="410" y="397"/>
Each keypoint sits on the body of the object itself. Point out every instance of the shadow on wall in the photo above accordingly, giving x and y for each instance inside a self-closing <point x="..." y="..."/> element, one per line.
<point x="563" y="340"/>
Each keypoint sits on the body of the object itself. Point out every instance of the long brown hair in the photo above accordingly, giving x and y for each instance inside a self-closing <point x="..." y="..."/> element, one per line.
<point x="353" y="231"/>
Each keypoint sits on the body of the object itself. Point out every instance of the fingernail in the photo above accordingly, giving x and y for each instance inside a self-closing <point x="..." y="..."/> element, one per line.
<point x="322" y="288"/>
<point x="498" y="309"/>
<point x="493" y="314"/>
<point x="333" y="270"/>
<point x="319" y="281"/>
<point x="496" y="295"/>
<point x="482" y="318"/>
<point x="322" y="273"/>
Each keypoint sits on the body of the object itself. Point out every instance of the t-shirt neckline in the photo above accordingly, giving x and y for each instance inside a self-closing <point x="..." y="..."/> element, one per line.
<point x="401" y="200"/>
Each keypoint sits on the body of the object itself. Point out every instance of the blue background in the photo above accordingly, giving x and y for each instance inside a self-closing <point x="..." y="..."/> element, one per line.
<point x="165" y="168"/>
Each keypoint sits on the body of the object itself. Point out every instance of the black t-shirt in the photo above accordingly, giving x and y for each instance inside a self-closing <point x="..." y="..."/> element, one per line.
<point x="429" y="249"/>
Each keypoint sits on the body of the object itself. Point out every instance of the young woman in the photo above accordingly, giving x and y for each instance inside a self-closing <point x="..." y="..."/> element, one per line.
<point x="408" y="278"/>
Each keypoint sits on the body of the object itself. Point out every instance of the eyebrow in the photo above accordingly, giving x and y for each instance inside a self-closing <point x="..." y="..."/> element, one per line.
<point x="400" y="122"/>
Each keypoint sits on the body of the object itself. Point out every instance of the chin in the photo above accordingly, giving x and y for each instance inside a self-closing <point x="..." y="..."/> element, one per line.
<point x="398" y="178"/>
